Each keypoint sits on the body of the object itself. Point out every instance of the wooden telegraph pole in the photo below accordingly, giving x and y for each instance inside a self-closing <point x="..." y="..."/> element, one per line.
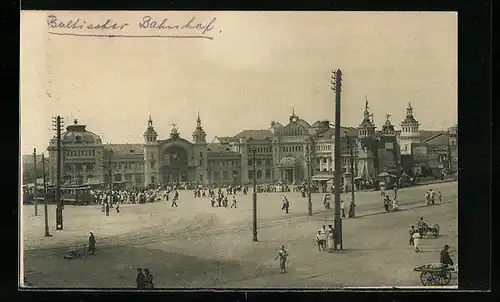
<point x="337" y="87"/>
<point x="57" y="125"/>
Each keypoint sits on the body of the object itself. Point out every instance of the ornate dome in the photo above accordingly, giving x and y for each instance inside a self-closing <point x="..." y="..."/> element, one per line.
<point x="77" y="134"/>
<point x="288" y="162"/>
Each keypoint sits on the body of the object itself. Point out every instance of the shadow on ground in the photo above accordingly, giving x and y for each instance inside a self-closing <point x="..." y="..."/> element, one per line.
<point x="116" y="267"/>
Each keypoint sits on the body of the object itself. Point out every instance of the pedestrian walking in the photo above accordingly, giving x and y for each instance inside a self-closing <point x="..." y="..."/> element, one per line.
<point x="148" y="279"/>
<point x="283" y="256"/>
<point x="342" y="208"/>
<point x="107" y="209"/>
<point x="416" y="241"/>
<point x="285" y="205"/>
<point x="117" y="207"/>
<point x="234" y="204"/>
<point x="411" y="231"/>
<point x="319" y="241"/>
<point x="432" y="195"/>
<point x="140" y="280"/>
<point x="92" y="242"/>
<point x="174" y="200"/>
<point x="440" y="196"/>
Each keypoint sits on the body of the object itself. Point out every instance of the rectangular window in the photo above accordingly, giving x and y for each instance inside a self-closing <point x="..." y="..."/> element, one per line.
<point x="268" y="162"/>
<point x="258" y="162"/>
<point x="250" y="174"/>
<point x="201" y="177"/>
<point x="225" y="175"/>
<point x="250" y="162"/>
<point x="268" y="173"/>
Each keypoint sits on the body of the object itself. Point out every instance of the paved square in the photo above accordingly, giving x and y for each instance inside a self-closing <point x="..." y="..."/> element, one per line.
<point x="196" y="245"/>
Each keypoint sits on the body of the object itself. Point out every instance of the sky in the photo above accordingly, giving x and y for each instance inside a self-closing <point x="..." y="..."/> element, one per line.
<point x="257" y="67"/>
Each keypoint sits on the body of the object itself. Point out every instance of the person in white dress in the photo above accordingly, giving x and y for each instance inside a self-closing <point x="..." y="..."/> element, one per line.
<point x="416" y="241"/>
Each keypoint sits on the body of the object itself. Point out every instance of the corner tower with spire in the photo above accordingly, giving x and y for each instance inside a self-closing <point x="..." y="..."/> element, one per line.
<point x="151" y="152"/>
<point x="367" y="145"/>
<point x="366" y="129"/>
<point x="410" y="133"/>
<point x="200" y="152"/>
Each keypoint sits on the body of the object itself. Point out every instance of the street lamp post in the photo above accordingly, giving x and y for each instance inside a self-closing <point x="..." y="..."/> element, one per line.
<point x="337" y="87"/>
<point x="254" y="198"/>
<point x="110" y="178"/>
<point x="47" y="234"/>
<point x="351" y="160"/>
<point x="35" y="201"/>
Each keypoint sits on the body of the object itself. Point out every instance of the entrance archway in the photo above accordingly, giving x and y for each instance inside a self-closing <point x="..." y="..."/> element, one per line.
<point x="175" y="165"/>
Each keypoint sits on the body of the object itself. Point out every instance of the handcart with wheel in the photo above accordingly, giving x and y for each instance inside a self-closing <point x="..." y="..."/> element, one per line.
<point x="434" y="230"/>
<point x="435" y="274"/>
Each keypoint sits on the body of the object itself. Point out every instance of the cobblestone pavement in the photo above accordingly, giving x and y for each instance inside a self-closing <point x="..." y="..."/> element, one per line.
<point x="199" y="246"/>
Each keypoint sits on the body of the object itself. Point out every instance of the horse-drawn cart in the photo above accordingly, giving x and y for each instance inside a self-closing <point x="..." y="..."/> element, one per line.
<point x="435" y="274"/>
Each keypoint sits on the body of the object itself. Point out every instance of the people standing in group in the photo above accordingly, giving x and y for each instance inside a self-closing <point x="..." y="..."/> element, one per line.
<point x="212" y="201"/>
<point x="140" y="279"/>
<point x="283" y="256"/>
<point x="421" y="225"/>
<point x="432" y="194"/>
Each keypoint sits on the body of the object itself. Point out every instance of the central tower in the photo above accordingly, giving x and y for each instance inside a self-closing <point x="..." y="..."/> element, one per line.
<point x="200" y="152"/>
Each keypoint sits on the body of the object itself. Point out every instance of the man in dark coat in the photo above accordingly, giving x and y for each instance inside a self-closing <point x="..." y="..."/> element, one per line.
<point x="445" y="256"/>
<point x="92" y="244"/>
<point x="140" y="280"/>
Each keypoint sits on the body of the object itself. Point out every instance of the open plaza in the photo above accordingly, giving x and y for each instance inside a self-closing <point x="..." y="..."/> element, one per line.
<point x="196" y="245"/>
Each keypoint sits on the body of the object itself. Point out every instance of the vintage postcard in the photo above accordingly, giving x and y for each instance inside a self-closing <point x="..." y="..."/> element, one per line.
<point x="167" y="150"/>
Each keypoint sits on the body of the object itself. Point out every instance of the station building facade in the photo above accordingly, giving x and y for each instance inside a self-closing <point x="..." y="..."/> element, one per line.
<point x="288" y="152"/>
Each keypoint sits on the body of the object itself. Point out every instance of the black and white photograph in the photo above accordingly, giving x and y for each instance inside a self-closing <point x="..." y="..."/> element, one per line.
<point x="165" y="150"/>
